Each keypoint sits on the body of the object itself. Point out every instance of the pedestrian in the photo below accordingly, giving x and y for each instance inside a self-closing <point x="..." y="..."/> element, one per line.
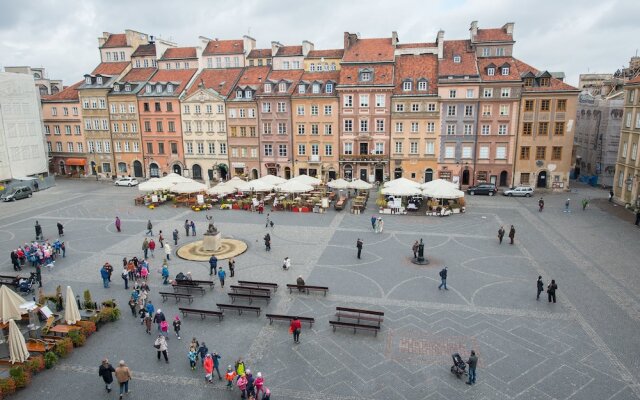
<point x="39" y="234"/>
<point x="443" y="279"/>
<point x="229" y="376"/>
<point x="300" y="282"/>
<point x="61" y="231"/>
<point x="232" y="267"/>
<point x="500" y="234"/>
<point x="167" y="251"/>
<point x="512" y="234"/>
<point x="161" y="239"/>
<point x="414" y="248"/>
<point x="132" y="306"/>
<point x="379" y="225"/>
<point x="585" y="203"/>
<point x="193" y="228"/>
<point x="294" y="328"/>
<point x="207" y="364"/>
<point x="540" y="287"/>
<point x="145" y="247"/>
<point x="373" y="222"/>
<point x="15" y="261"/>
<point x="36" y="186"/>
<point x="192" y="359"/>
<point x="551" y="290"/>
<point x="259" y="384"/>
<point x="267" y="242"/>
<point x="165" y="272"/>
<point x="610" y="195"/>
<point x="39" y="275"/>
<point x="175" y="237"/>
<point x="63" y="247"/>
<point x="147" y="320"/>
<point x="161" y="346"/>
<point x="105" y="276"/>
<point x="267" y="394"/>
<point x="566" y="205"/>
<point x="286" y="263"/>
<point x="187" y="225"/>
<point x="473" y="362"/>
<point x="242" y="385"/>
<point x="106" y="371"/>
<point x="118" y="224"/>
<point x="202" y="350"/>
<point x="125" y="278"/>
<point x="251" y="388"/>
<point x="159" y="318"/>
<point x="637" y="216"/>
<point x="266" y="225"/>
<point x="359" y="244"/>
<point x="149" y="228"/>
<point x="177" y="324"/>
<point x="221" y="276"/>
<point x="240" y="368"/>
<point x="123" y="375"/>
<point x="213" y="265"/>
<point x="216" y="364"/>
<point x="152" y="246"/>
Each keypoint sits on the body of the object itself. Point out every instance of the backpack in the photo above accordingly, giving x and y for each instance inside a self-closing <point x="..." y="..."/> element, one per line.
<point x="441" y="273"/>
<point x="164" y="326"/>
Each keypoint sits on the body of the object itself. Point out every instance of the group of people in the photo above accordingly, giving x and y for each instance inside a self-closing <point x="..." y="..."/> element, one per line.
<point x="377" y="224"/>
<point x="250" y="387"/>
<point x="551" y="289"/>
<point x="39" y="254"/>
<point x="512" y="234"/>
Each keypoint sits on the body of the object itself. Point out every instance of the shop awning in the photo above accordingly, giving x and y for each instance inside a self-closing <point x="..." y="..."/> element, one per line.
<point x="75" y="161"/>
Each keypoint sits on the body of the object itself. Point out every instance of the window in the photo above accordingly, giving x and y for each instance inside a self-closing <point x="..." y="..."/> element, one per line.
<point x="413" y="148"/>
<point x="430" y="147"/>
<point x="543" y="128"/>
<point x="134" y="127"/>
<point x="266" y="128"/>
<point x="314" y="109"/>
<point x="159" y="126"/>
<point x="282" y="150"/>
<point x="282" y="128"/>
<point x="242" y="113"/>
<point x="87" y="125"/>
<point x="328" y="88"/>
<point x="223" y="148"/>
<point x="80" y="147"/>
<point x="105" y="125"/>
<point x="103" y="103"/>
<point x="545" y="81"/>
<point x="301" y="129"/>
<point x="113" y="108"/>
<point x="187" y="126"/>
<point x="200" y="148"/>
<point x="485" y="130"/>
<point x="525" y="152"/>
<point x="449" y="152"/>
<point x="468" y="129"/>
<point x="364" y="125"/>
<point x="157" y="107"/>
<point x="545" y="105"/>
<point x="365" y="76"/>
<point x="87" y="79"/>
<point x="328" y="129"/>
<point x="107" y="146"/>
<point x="634" y="151"/>
<point x="314" y="129"/>
<point x="451" y="129"/>
<point x="529" y="105"/>
<point x="456" y="59"/>
<point x="160" y="148"/>
<point x="169" y="107"/>
<point x="638" y="120"/>
<point x="149" y="148"/>
<point x="364" y="100"/>
<point x="399" y="107"/>
<point x="491" y="71"/>
<point x="267" y="88"/>
<point x="500" y="52"/>
<point x="172" y="126"/>
<point x="486" y="110"/>
<point x="527" y="128"/>
<point x="632" y="97"/>
<point x="468" y="111"/>
<point x="559" y="129"/>
<point x="127" y="147"/>
<point x="94" y="103"/>
<point x="452" y="94"/>
<point x="348" y="125"/>
<point x="234" y="152"/>
<point x="348" y="148"/>
<point x="414" y="127"/>
<point x="115" y="127"/>
<point x="422" y="85"/>
<point x="220" y="109"/>
<point x="328" y="110"/>
<point x="399" y="127"/>
<point x="541" y="152"/>
<point x="67" y="129"/>
<point x="285" y="65"/>
<point x="302" y="150"/>
<point x="282" y="87"/>
<point x="252" y="113"/>
<point x="398" y="148"/>
<point x="431" y="107"/>
<point x="627" y="123"/>
<point x="118" y="147"/>
<point x="347" y="100"/>
<point x="315" y="150"/>
<point x="556" y="153"/>
<point x="505" y="92"/>
<point x="282" y="107"/>
<point x="90" y="146"/>
<point x="315" y="88"/>
<point x="487" y="92"/>
<point x="451" y="110"/>
<point x="379" y="149"/>
<point x="99" y="80"/>
<point x="266" y="107"/>
<point x="301" y="88"/>
<point x="484" y="152"/>
<point x="431" y="127"/>
<point x="300" y="110"/>
<point x="312" y="67"/>
<point x="504" y="109"/>
<point x="212" y="147"/>
<point x="380" y="100"/>
<point x="74" y="110"/>
<point x="504" y="71"/>
<point x="502" y="129"/>
<point x="70" y="147"/>
<point x="524" y="178"/>
<point x="147" y="126"/>
<point x="328" y="150"/>
<point x="406" y="86"/>
<point x="469" y="93"/>
<point x="415" y="107"/>
<point x="501" y="152"/>
<point x="77" y="130"/>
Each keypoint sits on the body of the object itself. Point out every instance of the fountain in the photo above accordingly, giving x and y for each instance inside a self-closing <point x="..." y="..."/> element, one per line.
<point x="212" y="244"/>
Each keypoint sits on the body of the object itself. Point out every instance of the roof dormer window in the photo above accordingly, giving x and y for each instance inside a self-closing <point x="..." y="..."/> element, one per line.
<point x="238" y="94"/>
<point x="282" y="87"/>
<point x="248" y="94"/>
<point x="116" y="88"/>
<point x="406" y="86"/>
<point x="545" y="81"/>
<point x="301" y="88"/>
<point x="329" y="88"/>
<point x="457" y="59"/>
<point x="365" y="75"/>
<point x="504" y="71"/>
<point x="491" y="71"/>
<point x="422" y="85"/>
<point x="528" y="82"/>
<point x="267" y="88"/>
<point x="149" y="89"/>
<point x="99" y="80"/>
<point x="158" y="88"/>
<point x="127" y="88"/>
<point x="87" y="80"/>
<point x="169" y="88"/>
<point x="316" y="88"/>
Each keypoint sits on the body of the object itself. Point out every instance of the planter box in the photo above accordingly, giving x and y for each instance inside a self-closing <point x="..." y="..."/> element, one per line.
<point x="304" y="209"/>
<point x="456" y="210"/>
<point x="235" y="207"/>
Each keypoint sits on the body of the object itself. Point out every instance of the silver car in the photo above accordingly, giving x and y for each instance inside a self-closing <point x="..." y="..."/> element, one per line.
<point x="523" y="191"/>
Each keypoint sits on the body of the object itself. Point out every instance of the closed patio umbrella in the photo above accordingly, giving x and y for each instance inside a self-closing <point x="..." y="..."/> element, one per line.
<point x="10" y="303"/>
<point x="18" y="352"/>
<point x="71" y="312"/>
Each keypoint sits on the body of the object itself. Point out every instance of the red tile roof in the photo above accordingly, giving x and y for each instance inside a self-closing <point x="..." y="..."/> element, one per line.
<point x="382" y="74"/>
<point x="416" y="67"/>
<point x="369" y="50"/>
<point x="138" y="75"/>
<point x="493" y="35"/>
<point x="467" y="64"/>
<point x="69" y="93"/>
<point x="224" y="47"/>
<point x="116" y="40"/>
<point x="178" y="53"/>
<point x="415" y="45"/>
<point x="634" y="80"/>
<point x="110" y="68"/>
<point x="220" y="80"/>
<point x="252" y="76"/>
<point x="179" y="76"/>
<point x="331" y="53"/>
<point x="291" y="76"/>
<point x="555" y="84"/>
<point x="145" y="50"/>
<point x="260" y="53"/>
<point x="323" y="78"/>
<point x="288" y="51"/>
<point x="498" y="62"/>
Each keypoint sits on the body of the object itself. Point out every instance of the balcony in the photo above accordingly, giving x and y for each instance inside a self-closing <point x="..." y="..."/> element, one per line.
<point x="363" y="158"/>
<point x="314" y="159"/>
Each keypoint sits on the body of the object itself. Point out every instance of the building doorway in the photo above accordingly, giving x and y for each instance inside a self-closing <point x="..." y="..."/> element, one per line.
<point x="465" y="177"/>
<point x="302" y="171"/>
<point x="63" y="170"/>
<point x="154" y="170"/>
<point x="397" y="173"/>
<point x="363" y="174"/>
<point x="348" y="172"/>
<point x="94" y="171"/>
<point x="196" y="170"/>
<point x="287" y="173"/>
<point x="379" y="175"/>
<point x="177" y="169"/>
<point x="504" y="175"/>
<point x="137" y="169"/>
<point x="332" y="175"/>
<point x="428" y="175"/>
<point x="254" y="174"/>
<point x="272" y="171"/>
<point x="224" y="171"/>
<point x="542" y="179"/>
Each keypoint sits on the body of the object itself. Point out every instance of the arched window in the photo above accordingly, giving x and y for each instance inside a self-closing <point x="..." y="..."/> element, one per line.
<point x="197" y="171"/>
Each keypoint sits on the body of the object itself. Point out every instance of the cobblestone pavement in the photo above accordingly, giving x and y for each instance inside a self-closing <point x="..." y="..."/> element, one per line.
<point x="583" y="347"/>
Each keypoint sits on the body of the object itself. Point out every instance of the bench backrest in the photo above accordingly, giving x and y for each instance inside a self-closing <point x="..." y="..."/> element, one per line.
<point x="250" y="288"/>
<point x="258" y="283"/>
<point x="356" y="310"/>
<point x="308" y="319"/>
<point x="236" y="306"/>
<point x="250" y="295"/>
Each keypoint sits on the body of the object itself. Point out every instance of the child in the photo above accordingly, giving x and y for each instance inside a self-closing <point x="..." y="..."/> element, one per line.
<point x="208" y="368"/>
<point x="267" y="394"/>
<point x="230" y="376"/>
<point x="176" y="326"/>
<point x="192" y="359"/>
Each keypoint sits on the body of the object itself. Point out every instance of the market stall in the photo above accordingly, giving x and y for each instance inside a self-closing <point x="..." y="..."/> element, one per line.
<point x="444" y="198"/>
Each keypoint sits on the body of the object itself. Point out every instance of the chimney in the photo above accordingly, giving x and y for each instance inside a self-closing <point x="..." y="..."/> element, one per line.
<point x="473" y="29"/>
<point x="394" y="38"/>
<point x="508" y="28"/>
<point x="274" y="48"/>
<point x="440" y="43"/>
<point x="349" y="39"/>
<point x="103" y="39"/>
<point x="249" y="43"/>
<point x="307" y="46"/>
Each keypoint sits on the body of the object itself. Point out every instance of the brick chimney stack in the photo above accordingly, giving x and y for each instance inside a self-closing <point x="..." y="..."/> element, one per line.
<point x="349" y="39"/>
<point x="474" y="29"/>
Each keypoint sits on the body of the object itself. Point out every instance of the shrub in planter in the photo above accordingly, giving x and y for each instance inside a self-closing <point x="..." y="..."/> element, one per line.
<point x="21" y="376"/>
<point x="7" y="386"/>
<point x="87" y="327"/>
<point x="35" y="364"/>
<point x="63" y="347"/>
<point x="88" y="301"/>
<point x="109" y="303"/>
<point x="77" y="338"/>
<point x="50" y="359"/>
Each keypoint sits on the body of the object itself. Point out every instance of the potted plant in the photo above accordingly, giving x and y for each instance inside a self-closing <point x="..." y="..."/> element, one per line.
<point x="87" y="327"/>
<point x="7" y="386"/>
<point x="50" y="359"/>
<point x="35" y="363"/>
<point x="63" y="347"/>
<point x="20" y="375"/>
<point x="77" y="338"/>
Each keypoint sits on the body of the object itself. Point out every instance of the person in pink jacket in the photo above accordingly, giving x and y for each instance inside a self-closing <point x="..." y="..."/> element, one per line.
<point x="259" y="383"/>
<point x="242" y="385"/>
<point x="208" y="368"/>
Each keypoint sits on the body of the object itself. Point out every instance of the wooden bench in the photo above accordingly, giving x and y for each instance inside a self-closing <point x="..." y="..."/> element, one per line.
<point x="204" y="282"/>
<point x="307" y="288"/>
<point x="250" y="289"/>
<point x="355" y="327"/>
<point x="239" y="308"/>
<point x="188" y="288"/>
<point x="289" y="318"/>
<point x="193" y="282"/>
<point x="267" y="285"/>
<point x="202" y="313"/>
<point x="176" y="296"/>
<point x="251" y="297"/>
<point x="360" y="315"/>
<point x="39" y="346"/>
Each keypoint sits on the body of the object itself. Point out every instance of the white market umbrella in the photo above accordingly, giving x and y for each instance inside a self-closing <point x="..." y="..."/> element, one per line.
<point x="359" y="184"/>
<point x="71" y="313"/>
<point x="221" y="189"/>
<point x="188" y="187"/>
<point x="175" y="178"/>
<point x="443" y="190"/>
<point x="292" y="186"/>
<point x="10" y="303"/>
<point x="402" y="190"/>
<point x="437" y="183"/>
<point x="154" y="184"/>
<point x="272" y="180"/>
<point x="255" y="185"/>
<point x="402" y="181"/>
<point x="338" y="184"/>
<point x="17" y="347"/>
<point x="309" y="180"/>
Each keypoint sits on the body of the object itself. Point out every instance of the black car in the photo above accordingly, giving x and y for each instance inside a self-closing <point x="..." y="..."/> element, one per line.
<point x="483" y="188"/>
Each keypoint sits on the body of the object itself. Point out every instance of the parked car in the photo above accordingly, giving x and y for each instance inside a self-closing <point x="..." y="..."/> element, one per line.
<point x="483" y="188"/>
<point x="525" y="191"/>
<point x="126" y="182"/>
<point x="21" y="192"/>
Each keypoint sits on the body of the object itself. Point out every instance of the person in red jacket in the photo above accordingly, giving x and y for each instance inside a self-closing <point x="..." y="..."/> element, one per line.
<point x="295" y="328"/>
<point x="208" y="368"/>
<point x="152" y="246"/>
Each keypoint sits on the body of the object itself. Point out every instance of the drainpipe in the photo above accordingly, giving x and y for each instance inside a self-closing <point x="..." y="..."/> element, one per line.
<point x="515" y="149"/>
<point x="475" y="142"/>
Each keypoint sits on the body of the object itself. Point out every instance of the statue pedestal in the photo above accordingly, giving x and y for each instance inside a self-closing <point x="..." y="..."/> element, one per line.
<point x="211" y="241"/>
<point x="420" y="260"/>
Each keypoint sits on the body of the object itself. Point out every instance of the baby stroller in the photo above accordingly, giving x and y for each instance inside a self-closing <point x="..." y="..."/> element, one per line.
<point x="459" y="366"/>
<point x="26" y="286"/>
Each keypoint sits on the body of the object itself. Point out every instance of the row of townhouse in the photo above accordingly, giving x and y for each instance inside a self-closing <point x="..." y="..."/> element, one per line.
<point x="377" y="109"/>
